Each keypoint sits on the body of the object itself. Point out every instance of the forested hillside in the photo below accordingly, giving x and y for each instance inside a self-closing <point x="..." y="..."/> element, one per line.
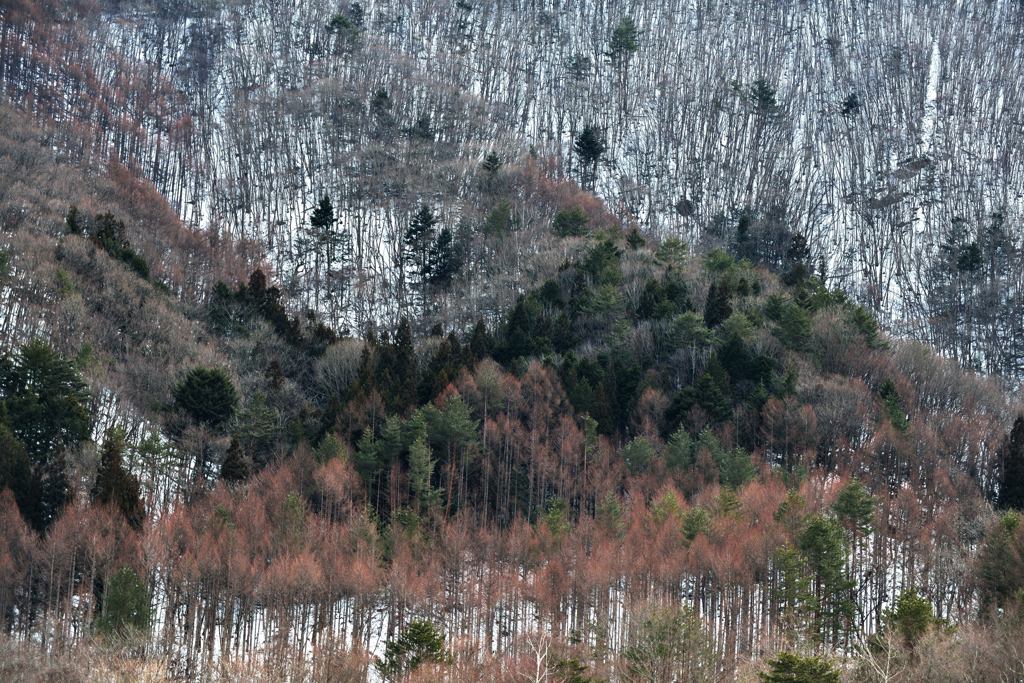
<point x="882" y="134"/>
<point x="551" y="342"/>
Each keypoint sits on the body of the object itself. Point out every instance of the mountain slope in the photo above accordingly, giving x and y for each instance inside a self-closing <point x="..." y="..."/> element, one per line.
<point x="880" y="134"/>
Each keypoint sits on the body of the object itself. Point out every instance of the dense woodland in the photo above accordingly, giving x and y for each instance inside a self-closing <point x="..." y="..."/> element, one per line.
<point x="362" y="342"/>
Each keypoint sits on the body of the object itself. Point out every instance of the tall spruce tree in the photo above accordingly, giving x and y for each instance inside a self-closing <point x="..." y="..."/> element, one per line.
<point x="491" y="165"/>
<point x="114" y="484"/>
<point x="1011" y="468"/>
<point x="324" y="242"/>
<point x="823" y="546"/>
<point x="912" y="617"/>
<point x="622" y="46"/>
<point x="717" y="307"/>
<point x="16" y="470"/>
<point x="398" y="374"/>
<point x="624" y="42"/>
<point x="416" y="246"/>
<point x="421" y="470"/>
<point x="45" y="406"/>
<point x="235" y="469"/>
<point x="713" y="392"/>
<point x="443" y="260"/>
<point x="125" y="608"/>
<point x="589" y="147"/>
<point x="1000" y="566"/>
<point x="855" y="508"/>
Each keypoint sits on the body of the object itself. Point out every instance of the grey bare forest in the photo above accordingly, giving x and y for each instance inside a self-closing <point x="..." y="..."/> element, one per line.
<point x="557" y="341"/>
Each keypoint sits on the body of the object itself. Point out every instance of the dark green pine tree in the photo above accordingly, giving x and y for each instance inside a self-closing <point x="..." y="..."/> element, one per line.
<point x="823" y="546"/>
<point x="332" y="248"/>
<point x="635" y="240"/>
<point x="417" y="243"/>
<point x="74" y="221"/>
<point x="347" y="27"/>
<point x="235" y="468"/>
<point x="443" y="369"/>
<point x="890" y="396"/>
<point x="571" y="222"/>
<point x="16" y="470"/>
<point x="717" y="307"/>
<point x="322" y="238"/>
<point x="444" y="259"/>
<point x="798" y="256"/>
<point x="589" y="147"/>
<point x="125" y="606"/>
<point x="422" y="130"/>
<point x="45" y="407"/>
<point x="622" y="46"/>
<point x="855" y="509"/>
<point x="745" y="246"/>
<point x="762" y="96"/>
<point x="850" y="105"/>
<point x="368" y="376"/>
<point x="794" y="328"/>
<point x="382" y="114"/>
<point x="368" y="462"/>
<point x="1011" y="468"/>
<point x="713" y="392"/>
<point x="208" y="395"/>
<point x="624" y="42"/>
<point x="323" y="217"/>
<point x="419" y="643"/>
<point x="787" y="667"/>
<point x="115" y="485"/>
<point x="526" y="331"/>
<point x="397" y="370"/>
<point x="912" y="618"/>
<point x="481" y="343"/>
<point x="491" y="165"/>
<point x="999" y="572"/>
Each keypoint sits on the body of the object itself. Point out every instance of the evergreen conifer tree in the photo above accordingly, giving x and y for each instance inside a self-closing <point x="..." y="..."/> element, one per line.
<point x="235" y="468"/>
<point x="787" y="667"/>
<point x="208" y="395"/>
<point x="823" y="547"/>
<point x="44" y="404"/>
<point x="421" y="469"/>
<point x="114" y="484"/>
<point x="912" y="617"/>
<point x="443" y="259"/>
<point x="855" y="508"/>
<point x="589" y="147"/>
<point x="126" y="605"/>
<point x="416" y="245"/>
<point x="398" y="370"/>
<point x="717" y="307"/>
<point x="713" y="393"/>
<point x="491" y="165"/>
<point x="419" y="643"/>
<point x="480" y="341"/>
<point x="1011" y="468"/>
<point x="1000" y="568"/>
<point x="16" y="471"/>
<point x="624" y="42"/>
